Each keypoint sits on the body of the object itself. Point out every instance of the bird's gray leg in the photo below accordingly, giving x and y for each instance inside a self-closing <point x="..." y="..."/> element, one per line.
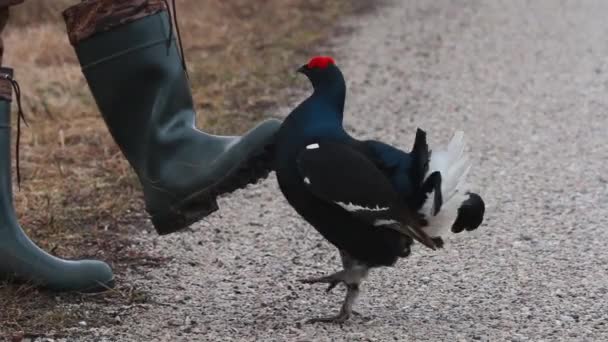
<point x="346" y="311"/>
<point x="351" y="276"/>
<point x="332" y="279"/>
<point x="335" y="278"/>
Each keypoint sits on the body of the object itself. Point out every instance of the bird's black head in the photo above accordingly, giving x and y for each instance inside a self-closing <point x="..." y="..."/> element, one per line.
<point x="322" y="72"/>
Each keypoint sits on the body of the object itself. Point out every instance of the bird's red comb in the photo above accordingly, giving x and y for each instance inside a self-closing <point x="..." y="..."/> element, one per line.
<point x="320" y="62"/>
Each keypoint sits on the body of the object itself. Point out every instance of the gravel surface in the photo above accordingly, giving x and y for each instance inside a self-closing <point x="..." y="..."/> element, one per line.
<point x="527" y="81"/>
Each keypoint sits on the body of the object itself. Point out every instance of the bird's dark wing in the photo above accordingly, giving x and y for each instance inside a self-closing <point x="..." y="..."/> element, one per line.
<point x="389" y="159"/>
<point x="406" y="171"/>
<point x="342" y="176"/>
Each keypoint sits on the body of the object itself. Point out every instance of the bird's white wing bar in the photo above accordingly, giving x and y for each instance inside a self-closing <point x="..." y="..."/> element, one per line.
<point x="354" y="207"/>
<point x="378" y="223"/>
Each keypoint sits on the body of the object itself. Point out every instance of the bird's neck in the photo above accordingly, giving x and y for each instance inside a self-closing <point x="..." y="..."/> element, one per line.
<point x="334" y="96"/>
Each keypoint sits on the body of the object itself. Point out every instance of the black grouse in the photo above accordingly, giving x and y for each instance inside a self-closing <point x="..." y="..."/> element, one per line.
<point x="369" y="199"/>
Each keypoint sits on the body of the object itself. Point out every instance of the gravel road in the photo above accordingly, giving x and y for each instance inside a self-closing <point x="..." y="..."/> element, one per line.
<point x="527" y="81"/>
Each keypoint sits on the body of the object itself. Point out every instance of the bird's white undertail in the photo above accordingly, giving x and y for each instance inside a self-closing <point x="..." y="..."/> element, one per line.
<point x="454" y="164"/>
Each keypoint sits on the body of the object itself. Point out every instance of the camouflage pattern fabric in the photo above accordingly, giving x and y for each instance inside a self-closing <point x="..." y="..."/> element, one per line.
<point x="95" y="16"/>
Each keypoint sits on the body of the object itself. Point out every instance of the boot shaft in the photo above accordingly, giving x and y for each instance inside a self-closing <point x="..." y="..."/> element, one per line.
<point x="6" y="96"/>
<point x="132" y="64"/>
<point x="6" y="190"/>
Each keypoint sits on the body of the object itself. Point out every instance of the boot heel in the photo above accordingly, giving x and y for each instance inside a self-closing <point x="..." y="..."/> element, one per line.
<point x="185" y="213"/>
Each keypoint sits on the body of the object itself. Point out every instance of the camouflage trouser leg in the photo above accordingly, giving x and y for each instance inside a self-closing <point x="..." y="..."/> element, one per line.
<point x="4" y="5"/>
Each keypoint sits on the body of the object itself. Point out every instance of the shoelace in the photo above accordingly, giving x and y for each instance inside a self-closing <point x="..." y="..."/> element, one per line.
<point x="179" y="36"/>
<point x="20" y="117"/>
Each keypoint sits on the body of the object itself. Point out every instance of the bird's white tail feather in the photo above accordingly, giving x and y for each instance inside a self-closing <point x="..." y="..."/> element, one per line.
<point x="453" y="164"/>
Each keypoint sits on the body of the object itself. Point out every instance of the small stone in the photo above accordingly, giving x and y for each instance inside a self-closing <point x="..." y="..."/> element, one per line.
<point x="518" y="338"/>
<point x="175" y="323"/>
<point x="566" y="318"/>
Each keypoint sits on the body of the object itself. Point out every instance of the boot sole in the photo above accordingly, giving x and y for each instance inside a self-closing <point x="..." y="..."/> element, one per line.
<point x="97" y="288"/>
<point x="203" y="203"/>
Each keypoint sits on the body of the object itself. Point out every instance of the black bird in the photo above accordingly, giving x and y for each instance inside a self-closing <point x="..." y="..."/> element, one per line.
<point x="369" y="199"/>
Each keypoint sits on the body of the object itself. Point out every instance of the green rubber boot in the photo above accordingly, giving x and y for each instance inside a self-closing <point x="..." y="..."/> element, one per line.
<point x="20" y="258"/>
<point x="133" y="67"/>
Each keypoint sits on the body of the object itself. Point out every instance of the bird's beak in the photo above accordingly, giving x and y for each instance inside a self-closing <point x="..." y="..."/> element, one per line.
<point x="303" y="69"/>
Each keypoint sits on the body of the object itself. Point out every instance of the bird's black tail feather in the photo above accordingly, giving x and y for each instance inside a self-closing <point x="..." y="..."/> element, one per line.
<point x="421" y="154"/>
<point x="470" y="214"/>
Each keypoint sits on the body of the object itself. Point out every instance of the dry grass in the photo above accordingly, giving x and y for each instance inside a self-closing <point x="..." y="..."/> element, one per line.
<point x="78" y="193"/>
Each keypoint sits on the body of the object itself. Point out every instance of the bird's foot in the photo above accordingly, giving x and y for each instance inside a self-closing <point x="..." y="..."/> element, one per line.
<point x="332" y="279"/>
<point x="340" y="318"/>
